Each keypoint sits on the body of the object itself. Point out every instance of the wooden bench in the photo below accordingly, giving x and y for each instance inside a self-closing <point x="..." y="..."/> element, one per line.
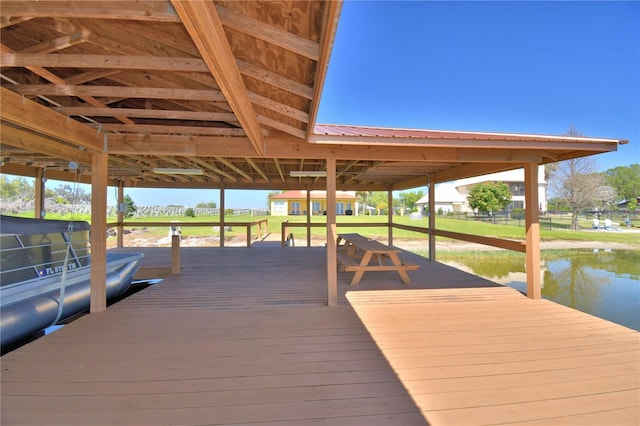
<point x="357" y="252"/>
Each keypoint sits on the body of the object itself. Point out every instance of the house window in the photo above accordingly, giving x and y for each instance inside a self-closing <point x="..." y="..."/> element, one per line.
<point x="339" y="208"/>
<point x="516" y="188"/>
<point x="315" y="207"/>
<point x="279" y="207"/>
<point x="295" y="207"/>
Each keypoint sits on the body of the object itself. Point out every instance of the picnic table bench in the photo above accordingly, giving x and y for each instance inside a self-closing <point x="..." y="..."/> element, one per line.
<point x="355" y="252"/>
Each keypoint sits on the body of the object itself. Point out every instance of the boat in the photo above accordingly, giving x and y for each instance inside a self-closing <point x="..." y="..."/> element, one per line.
<point x="45" y="268"/>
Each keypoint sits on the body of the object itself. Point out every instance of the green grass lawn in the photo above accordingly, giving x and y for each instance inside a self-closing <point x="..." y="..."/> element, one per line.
<point x="499" y="230"/>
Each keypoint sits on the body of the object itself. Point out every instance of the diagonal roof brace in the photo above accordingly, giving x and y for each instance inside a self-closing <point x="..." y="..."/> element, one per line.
<point x="203" y="24"/>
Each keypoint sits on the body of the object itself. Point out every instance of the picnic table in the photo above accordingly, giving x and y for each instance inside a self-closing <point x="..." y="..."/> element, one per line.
<point x="355" y="253"/>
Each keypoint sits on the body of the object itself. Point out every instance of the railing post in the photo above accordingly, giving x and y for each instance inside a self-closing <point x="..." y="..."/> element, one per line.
<point x="175" y="254"/>
<point x="390" y="215"/>
<point x="120" y="215"/>
<point x="249" y="235"/>
<point x="284" y="229"/>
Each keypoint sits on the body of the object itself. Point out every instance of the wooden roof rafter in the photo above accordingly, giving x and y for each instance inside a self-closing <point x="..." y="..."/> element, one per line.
<point x="149" y="10"/>
<point x="276" y="162"/>
<point x="211" y="167"/>
<point x="203" y="24"/>
<point x="49" y="76"/>
<point x="144" y="62"/>
<point x="257" y="168"/>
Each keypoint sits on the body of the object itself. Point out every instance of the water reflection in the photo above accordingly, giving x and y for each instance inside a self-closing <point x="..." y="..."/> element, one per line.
<point x="604" y="283"/>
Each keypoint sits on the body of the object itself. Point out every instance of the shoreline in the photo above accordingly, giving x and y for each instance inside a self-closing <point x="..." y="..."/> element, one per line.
<point x="453" y="246"/>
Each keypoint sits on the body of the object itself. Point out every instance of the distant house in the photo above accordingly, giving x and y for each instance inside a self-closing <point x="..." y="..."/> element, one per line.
<point x="452" y="196"/>
<point x="625" y="204"/>
<point x="295" y="203"/>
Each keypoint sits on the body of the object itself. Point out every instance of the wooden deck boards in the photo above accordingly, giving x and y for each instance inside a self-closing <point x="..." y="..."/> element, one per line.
<point x="243" y="336"/>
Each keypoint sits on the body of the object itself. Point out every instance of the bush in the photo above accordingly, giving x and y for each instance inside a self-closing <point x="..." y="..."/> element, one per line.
<point x="517" y="214"/>
<point x="228" y="212"/>
<point x="190" y="212"/>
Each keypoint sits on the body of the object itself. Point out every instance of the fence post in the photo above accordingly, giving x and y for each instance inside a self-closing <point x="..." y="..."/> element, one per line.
<point x="284" y="231"/>
<point x="175" y="254"/>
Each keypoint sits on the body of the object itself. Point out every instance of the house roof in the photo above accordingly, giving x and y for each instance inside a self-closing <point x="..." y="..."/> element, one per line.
<point x="314" y="195"/>
<point x="228" y="88"/>
<point x="445" y="193"/>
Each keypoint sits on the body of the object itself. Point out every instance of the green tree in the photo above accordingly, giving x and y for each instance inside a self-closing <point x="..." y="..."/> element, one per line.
<point x="557" y="204"/>
<point x="489" y="197"/>
<point x="578" y="183"/>
<point x="409" y="199"/>
<point x="381" y="206"/>
<point x="625" y="180"/>
<point x="210" y="205"/>
<point x="16" y="188"/>
<point x="130" y="206"/>
<point x="364" y="197"/>
<point x="71" y="194"/>
<point x="378" y="198"/>
<point x="190" y="212"/>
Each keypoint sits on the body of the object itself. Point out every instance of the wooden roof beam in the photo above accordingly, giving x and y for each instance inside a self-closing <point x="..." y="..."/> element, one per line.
<point x="38" y="118"/>
<point x="120" y="62"/>
<point x="148" y="10"/>
<point x="234" y="168"/>
<point x="203" y="25"/>
<point x="57" y="44"/>
<point x="329" y="26"/>
<point x="279" y="168"/>
<point x="470" y="170"/>
<point x="141" y="62"/>
<point x="288" y="147"/>
<point x="263" y="31"/>
<point x="257" y="168"/>
<point x="8" y="21"/>
<point x="147" y="113"/>
<point x="205" y="165"/>
<point x="118" y="92"/>
<point x="59" y="82"/>
<point x="169" y="129"/>
<point x="41" y="144"/>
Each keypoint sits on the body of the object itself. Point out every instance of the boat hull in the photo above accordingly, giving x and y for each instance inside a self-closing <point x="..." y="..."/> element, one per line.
<point x="32" y="306"/>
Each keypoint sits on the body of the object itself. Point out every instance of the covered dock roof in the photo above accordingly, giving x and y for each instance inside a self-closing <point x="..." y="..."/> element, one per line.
<point x="229" y="90"/>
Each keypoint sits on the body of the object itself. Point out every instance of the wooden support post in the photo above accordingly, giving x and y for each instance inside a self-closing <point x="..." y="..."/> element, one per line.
<point x="175" y="254"/>
<point x="390" y="214"/>
<point x="222" y="216"/>
<point x="432" y="219"/>
<point x="249" y="235"/>
<point x="98" y="291"/>
<point x="534" y="287"/>
<point x="332" y="235"/>
<point x="308" y="217"/>
<point x="120" y="214"/>
<point x="39" y="194"/>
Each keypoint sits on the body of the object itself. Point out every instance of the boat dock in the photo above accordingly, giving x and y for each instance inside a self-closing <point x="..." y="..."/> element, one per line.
<point x="244" y="336"/>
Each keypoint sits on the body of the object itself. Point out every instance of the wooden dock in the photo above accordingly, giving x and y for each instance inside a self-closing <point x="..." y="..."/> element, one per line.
<point x="243" y="336"/>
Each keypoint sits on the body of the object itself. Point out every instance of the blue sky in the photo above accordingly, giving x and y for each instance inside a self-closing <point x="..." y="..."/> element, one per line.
<point x="522" y="67"/>
<point x="507" y="66"/>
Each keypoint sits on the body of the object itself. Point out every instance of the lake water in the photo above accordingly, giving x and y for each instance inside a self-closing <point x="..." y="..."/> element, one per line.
<point x="604" y="283"/>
